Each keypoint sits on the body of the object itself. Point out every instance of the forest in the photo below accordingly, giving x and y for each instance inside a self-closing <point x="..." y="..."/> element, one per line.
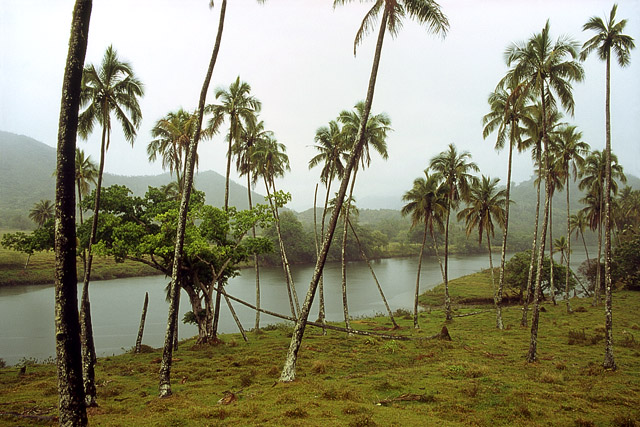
<point x="452" y="206"/>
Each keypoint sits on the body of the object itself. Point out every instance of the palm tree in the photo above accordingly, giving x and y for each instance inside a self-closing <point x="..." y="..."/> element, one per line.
<point x="173" y="134"/>
<point x="561" y="245"/>
<point x="570" y="152"/>
<point x="271" y="162"/>
<point x="375" y="135"/>
<point x="455" y="171"/>
<point x="111" y="89"/>
<point x="608" y="36"/>
<point x="243" y="149"/>
<point x="86" y="173"/>
<point x="577" y="225"/>
<point x="509" y="107"/>
<point x="555" y="178"/>
<point x="241" y="108"/>
<point x="486" y="205"/>
<point x="41" y="212"/>
<point x="426" y="12"/>
<point x="331" y="145"/>
<point x="71" y="401"/>
<point x="545" y="66"/>
<point x="426" y="203"/>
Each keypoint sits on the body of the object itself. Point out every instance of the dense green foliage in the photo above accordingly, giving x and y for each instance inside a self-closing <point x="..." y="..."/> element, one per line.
<point x="517" y="270"/>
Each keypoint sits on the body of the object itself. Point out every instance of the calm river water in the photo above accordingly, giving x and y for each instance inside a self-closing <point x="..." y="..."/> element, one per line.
<point x="26" y="312"/>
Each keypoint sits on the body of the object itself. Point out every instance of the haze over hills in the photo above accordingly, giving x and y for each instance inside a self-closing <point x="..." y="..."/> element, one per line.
<point x="26" y="176"/>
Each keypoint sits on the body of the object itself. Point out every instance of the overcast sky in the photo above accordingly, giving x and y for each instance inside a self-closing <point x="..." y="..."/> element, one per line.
<point x="297" y="55"/>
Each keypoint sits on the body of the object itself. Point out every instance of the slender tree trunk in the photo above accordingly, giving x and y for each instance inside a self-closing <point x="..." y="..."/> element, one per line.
<point x="609" y="362"/>
<point x="216" y="313"/>
<point x="142" y="320"/>
<point x="566" y="286"/>
<point x="552" y="287"/>
<point x="71" y="404"/>
<point x="503" y="255"/>
<point x="597" y="286"/>
<point x="321" y="308"/>
<point x="176" y="325"/>
<point x="497" y="297"/>
<point x="226" y="185"/>
<point x="533" y="345"/>
<point x="534" y="244"/>
<point x="373" y="273"/>
<point x="435" y="247"/>
<point x="343" y="253"/>
<point x="235" y="316"/>
<point x="289" y="369"/>
<point x="255" y="257"/>
<point x="417" y="293"/>
<point x="584" y="243"/>
<point x="167" y="353"/>
<point x="447" y="298"/>
<point x="317" y="240"/>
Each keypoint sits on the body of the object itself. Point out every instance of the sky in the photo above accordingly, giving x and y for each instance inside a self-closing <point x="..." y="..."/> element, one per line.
<point x="297" y="55"/>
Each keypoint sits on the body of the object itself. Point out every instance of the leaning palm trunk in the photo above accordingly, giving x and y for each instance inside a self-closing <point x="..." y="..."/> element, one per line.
<point x="317" y="241"/>
<point x="530" y="289"/>
<point x="373" y="273"/>
<point x="255" y="257"/>
<point x="321" y="308"/>
<point x="566" y="278"/>
<point x="343" y="253"/>
<point x="503" y="254"/>
<point x="293" y="297"/>
<point x="609" y="362"/>
<point x="533" y="345"/>
<point x="142" y="320"/>
<point x="289" y="369"/>
<point x="167" y="353"/>
<point x="496" y="297"/>
<point x="417" y="293"/>
<point x="552" y="287"/>
<point x="71" y="404"/>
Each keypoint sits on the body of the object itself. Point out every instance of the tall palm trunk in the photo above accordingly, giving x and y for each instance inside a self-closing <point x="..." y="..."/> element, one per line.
<point x="289" y="369"/>
<point x="291" y="290"/>
<point x="373" y="273"/>
<point x="435" y="247"/>
<point x="255" y="257"/>
<point x="597" y="287"/>
<point x="226" y="182"/>
<point x="533" y="345"/>
<point x="566" y="277"/>
<point x="609" y="362"/>
<point x="71" y="404"/>
<point x="343" y="252"/>
<point x="496" y="302"/>
<point x="447" y="298"/>
<point x="530" y="288"/>
<point x="142" y="320"/>
<point x="503" y="255"/>
<point x="167" y="353"/>
<point x="86" y="328"/>
<point x="552" y="287"/>
<point x="321" y="308"/>
<point x="417" y="293"/>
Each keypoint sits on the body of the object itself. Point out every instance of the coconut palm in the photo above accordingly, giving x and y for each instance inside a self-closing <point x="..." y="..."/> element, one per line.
<point x="486" y="205"/>
<point x="173" y="134"/>
<point x="577" y="224"/>
<point x="86" y="174"/>
<point x="243" y="150"/>
<point x="270" y="162"/>
<point x="570" y="152"/>
<point x="427" y="13"/>
<point x="509" y="107"/>
<point x="240" y="108"/>
<point x="375" y="135"/>
<point x="547" y="68"/>
<point x="41" y="212"/>
<point x="111" y="89"/>
<point x="426" y="203"/>
<point x="455" y="169"/>
<point x="561" y="245"/>
<point x="608" y="36"/>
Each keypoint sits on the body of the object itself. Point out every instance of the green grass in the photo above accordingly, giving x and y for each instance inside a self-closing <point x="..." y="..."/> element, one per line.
<point x="479" y="378"/>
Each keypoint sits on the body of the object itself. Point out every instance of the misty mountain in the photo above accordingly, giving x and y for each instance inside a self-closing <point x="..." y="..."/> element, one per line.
<point x="26" y="176"/>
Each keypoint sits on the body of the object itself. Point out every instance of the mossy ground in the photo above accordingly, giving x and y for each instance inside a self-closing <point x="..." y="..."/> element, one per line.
<point x="479" y="378"/>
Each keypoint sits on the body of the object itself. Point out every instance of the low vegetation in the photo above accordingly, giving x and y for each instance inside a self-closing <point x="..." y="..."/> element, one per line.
<point x="480" y="377"/>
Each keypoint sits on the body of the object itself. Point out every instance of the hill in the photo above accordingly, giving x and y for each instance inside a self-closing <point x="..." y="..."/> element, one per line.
<point x="27" y="165"/>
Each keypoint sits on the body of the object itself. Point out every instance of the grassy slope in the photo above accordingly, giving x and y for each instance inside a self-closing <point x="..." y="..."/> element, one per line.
<point x="479" y="378"/>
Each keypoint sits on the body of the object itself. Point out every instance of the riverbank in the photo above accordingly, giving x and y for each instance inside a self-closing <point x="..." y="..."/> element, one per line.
<point x="480" y="377"/>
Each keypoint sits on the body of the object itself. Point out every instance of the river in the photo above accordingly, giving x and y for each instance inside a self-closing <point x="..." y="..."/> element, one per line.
<point x="26" y="312"/>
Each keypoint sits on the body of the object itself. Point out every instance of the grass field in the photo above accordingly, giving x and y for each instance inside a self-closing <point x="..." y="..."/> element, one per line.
<point x="478" y="378"/>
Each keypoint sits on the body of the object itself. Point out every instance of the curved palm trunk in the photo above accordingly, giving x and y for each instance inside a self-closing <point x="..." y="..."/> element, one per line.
<point x="503" y="255"/>
<point x="609" y="362"/>
<point x="86" y="329"/>
<point x="373" y="273"/>
<point x="71" y="405"/>
<point x="289" y="369"/>
<point x="293" y="297"/>
<point x="447" y="299"/>
<point x="167" y="353"/>
<point x="566" y="278"/>
<point x="535" y="317"/>
<point x="255" y="257"/>
<point x="417" y="294"/>
<point x="534" y="244"/>
<point x="343" y="253"/>
<point x="142" y="320"/>
<point x="552" y="287"/>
